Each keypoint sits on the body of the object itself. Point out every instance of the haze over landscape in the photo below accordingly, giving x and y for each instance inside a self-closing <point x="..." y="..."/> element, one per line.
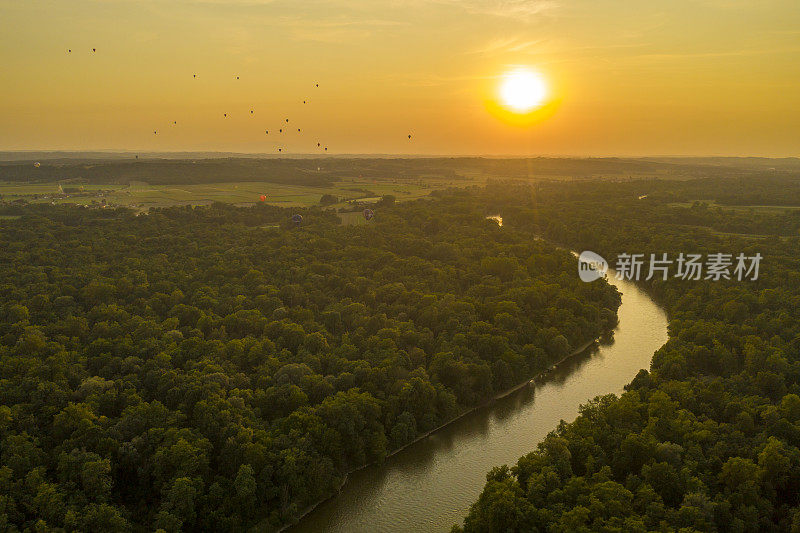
<point x="687" y="77"/>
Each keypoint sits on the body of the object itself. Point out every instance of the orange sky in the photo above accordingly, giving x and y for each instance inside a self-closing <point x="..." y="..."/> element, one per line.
<point x="685" y="77"/>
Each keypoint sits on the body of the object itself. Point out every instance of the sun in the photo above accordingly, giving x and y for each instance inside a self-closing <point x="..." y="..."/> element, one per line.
<point x="522" y="90"/>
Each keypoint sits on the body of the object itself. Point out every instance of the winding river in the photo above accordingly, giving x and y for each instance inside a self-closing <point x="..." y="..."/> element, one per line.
<point x="430" y="485"/>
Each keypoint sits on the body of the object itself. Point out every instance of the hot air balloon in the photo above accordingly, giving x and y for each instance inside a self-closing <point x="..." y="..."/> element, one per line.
<point x="263" y="197"/>
<point x="297" y="219"/>
<point x="368" y="214"/>
<point x="37" y="164"/>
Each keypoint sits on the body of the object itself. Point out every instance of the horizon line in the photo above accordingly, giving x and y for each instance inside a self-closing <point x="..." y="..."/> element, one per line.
<point x="297" y="155"/>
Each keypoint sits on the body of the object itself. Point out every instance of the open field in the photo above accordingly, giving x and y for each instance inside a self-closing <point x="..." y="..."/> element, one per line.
<point x="143" y="195"/>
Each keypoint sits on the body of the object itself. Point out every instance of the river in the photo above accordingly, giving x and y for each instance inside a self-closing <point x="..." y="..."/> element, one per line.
<point x="430" y="485"/>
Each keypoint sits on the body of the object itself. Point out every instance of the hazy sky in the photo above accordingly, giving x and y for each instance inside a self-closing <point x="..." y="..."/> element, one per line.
<point x="718" y="77"/>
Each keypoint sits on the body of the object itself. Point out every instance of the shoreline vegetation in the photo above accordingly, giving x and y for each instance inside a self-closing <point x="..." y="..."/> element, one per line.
<point x="707" y="439"/>
<point x="488" y="403"/>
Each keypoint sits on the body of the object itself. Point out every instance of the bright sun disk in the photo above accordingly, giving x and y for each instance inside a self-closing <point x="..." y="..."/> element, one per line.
<point x="522" y="90"/>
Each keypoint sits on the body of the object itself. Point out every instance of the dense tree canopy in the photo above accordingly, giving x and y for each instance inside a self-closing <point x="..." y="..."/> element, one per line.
<point x="213" y="368"/>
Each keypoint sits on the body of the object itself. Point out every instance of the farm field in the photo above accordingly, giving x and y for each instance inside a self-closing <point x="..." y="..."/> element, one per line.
<point x="143" y="195"/>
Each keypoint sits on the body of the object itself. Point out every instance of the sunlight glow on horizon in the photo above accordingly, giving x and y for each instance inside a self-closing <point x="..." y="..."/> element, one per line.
<point x="612" y="79"/>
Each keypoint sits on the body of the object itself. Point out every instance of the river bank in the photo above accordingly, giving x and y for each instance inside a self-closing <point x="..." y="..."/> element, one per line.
<point x="500" y="395"/>
<point x="430" y="484"/>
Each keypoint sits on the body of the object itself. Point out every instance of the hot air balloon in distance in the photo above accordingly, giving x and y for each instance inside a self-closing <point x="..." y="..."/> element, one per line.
<point x="369" y="214"/>
<point x="37" y="164"/>
<point x="297" y="219"/>
<point x="263" y="197"/>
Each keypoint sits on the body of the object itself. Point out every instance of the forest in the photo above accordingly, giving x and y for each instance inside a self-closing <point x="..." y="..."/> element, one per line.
<point x="315" y="171"/>
<point x="217" y="368"/>
<point x="706" y="440"/>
